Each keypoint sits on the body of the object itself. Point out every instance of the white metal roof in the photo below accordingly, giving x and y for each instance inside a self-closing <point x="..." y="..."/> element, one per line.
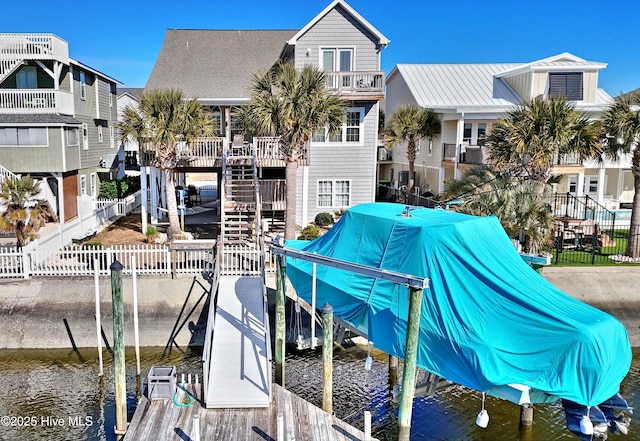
<point x="459" y="86"/>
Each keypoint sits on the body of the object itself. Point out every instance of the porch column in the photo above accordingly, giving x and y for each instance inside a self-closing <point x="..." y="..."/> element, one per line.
<point x="144" y="188"/>
<point x="459" y="137"/>
<point x="441" y="180"/>
<point x="153" y="172"/>
<point x="601" y="183"/>
<point x="305" y="196"/>
<point x="61" y="217"/>
<point x="580" y="184"/>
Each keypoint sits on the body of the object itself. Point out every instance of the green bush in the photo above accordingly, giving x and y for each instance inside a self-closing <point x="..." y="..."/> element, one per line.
<point x="309" y="232"/>
<point x="151" y="231"/>
<point x="323" y="219"/>
<point x="119" y="188"/>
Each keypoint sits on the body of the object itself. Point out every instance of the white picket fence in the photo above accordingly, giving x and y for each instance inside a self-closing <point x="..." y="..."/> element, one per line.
<point x="76" y="260"/>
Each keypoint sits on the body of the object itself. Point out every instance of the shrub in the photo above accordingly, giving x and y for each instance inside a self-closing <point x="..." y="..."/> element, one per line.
<point x="119" y="188"/>
<point x="151" y="231"/>
<point x="309" y="232"/>
<point x="339" y="213"/>
<point x="323" y="219"/>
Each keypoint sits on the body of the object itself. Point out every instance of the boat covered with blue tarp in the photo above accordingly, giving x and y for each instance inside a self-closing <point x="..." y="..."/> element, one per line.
<point x="488" y="320"/>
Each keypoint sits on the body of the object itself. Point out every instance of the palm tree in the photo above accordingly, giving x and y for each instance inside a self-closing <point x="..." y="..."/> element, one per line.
<point x="292" y="104"/>
<point x="530" y="138"/>
<point x="22" y="213"/>
<point x="621" y="133"/>
<point x="409" y="124"/>
<point x="163" y="122"/>
<point x="523" y="208"/>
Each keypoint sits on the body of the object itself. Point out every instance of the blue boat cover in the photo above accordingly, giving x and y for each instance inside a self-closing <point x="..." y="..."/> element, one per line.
<point x="488" y="319"/>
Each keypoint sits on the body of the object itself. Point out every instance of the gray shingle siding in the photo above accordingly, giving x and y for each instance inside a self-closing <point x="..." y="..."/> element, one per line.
<point x="339" y="29"/>
<point x="355" y="163"/>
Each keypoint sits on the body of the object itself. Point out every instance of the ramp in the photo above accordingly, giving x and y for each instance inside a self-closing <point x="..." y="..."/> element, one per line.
<point x="239" y="374"/>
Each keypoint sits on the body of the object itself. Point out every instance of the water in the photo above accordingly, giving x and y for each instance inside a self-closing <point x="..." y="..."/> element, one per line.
<point x="59" y="392"/>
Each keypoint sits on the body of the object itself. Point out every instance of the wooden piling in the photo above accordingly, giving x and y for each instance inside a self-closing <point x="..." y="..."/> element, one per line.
<point x="526" y="416"/>
<point x="96" y="283"/>
<point x="393" y="370"/>
<point x="327" y="358"/>
<point x="118" y="348"/>
<point x="281" y="322"/>
<point x="410" y="361"/>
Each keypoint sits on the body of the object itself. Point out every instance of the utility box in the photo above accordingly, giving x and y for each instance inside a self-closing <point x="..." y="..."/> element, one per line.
<point x="161" y="383"/>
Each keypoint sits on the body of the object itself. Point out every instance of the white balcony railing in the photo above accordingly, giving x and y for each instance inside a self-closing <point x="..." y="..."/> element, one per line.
<point x="35" y="101"/>
<point x="33" y="47"/>
<point x="356" y="83"/>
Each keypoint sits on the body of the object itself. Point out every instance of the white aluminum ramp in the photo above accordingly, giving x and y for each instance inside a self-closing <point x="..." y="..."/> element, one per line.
<point x="239" y="374"/>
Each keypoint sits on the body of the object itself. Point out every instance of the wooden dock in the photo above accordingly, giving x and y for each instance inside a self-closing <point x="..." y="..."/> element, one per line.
<point x="162" y="420"/>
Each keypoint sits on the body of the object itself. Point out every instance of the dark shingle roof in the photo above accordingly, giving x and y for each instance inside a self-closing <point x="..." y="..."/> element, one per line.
<point x="215" y="64"/>
<point x="133" y="91"/>
<point x="38" y="119"/>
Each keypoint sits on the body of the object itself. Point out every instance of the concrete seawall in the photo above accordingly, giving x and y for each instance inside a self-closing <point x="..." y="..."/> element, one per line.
<point x="60" y="313"/>
<point x="57" y="313"/>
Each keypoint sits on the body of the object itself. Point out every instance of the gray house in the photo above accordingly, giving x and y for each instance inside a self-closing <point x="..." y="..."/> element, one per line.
<point x="217" y="67"/>
<point x="57" y="119"/>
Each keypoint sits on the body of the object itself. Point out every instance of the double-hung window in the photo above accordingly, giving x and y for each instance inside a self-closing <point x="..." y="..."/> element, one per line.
<point x="351" y="131"/>
<point x="83" y="86"/>
<point x="83" y="185"/>
<point x="94" y="186"/>
<point x="334" y="193"/>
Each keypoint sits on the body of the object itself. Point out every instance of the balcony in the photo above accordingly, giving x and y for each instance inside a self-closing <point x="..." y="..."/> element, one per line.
<point x="33" y="47"/>
<point x="471" y="154"/>
<point x="354" y="85"/>
<point x="35" y="101"/>
<point x="208" y="152"/>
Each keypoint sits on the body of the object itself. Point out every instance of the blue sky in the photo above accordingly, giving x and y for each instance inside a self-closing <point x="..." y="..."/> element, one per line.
<point x="122" y="38"/>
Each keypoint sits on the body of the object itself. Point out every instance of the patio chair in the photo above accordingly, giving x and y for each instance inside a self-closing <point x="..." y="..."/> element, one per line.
<point x="237" y="146"/>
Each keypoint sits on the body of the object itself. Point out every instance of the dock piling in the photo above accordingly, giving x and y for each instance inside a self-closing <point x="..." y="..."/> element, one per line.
<point x="118" y="348"/>
<point x="96" y="282"/>
<point x="281" y="321"/>
<point x="410" y="360"/>
<point x="327" y="358"/>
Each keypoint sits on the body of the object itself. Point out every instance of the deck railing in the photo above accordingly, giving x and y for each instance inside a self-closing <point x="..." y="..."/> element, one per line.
<point x="36" y="101"/>
<point x="33" y="46"/>
<point x="273" y="193"/>
<point x="356" y="83"/>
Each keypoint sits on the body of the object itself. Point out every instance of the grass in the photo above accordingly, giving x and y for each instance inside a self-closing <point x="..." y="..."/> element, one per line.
<point x="583" y="256"/>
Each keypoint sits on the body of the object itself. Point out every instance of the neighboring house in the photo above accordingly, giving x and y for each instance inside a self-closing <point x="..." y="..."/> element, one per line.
<point x="217" y="66"/>
<point x="57" y="119"/>
<point x="469" y="98"/>
<point x="129" y="97"/>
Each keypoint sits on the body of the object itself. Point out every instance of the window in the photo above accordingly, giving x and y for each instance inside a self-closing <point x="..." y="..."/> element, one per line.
<point x="27" y="78"/>
<point x="466" y="133"/>
<point x="337" y="60"/>
<point x="482" y="133"/>
<point x="99" y="133"/>
<point x="93" y="181"/>
<point x="573" y="184"/>
<point x="83" y="86"/>
<point x="112" y="137"/>
<point x="85" y="136"/>
<point x="336" y="193"/>
<point x="27" y="136"/>
<point x="592" y="184"/>
<point x="83" y="185"/>
<point x="72" y="136"/>
<point x="112" y="93"/>
<point x="350" y="132"/>
<point x="568" y="85"/>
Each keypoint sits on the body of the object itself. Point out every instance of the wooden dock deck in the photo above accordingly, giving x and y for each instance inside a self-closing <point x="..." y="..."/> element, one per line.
<point x="162" y="420"/>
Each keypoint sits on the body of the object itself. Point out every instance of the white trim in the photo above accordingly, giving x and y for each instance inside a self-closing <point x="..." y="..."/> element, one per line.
<point x="67" y="130"/>
<point x="96" y="87"/>
<point x="100" y="136"/>
<point x="305" y="195"/>
<point x="93" y="184"/>
<point x="82" y="78"/>
<point x="333" y="193"/>
<point x="382" y="40"/>
<point x="83" y="185"/>
<point x="343" y="140"/>
<point x="112" y="137"/>
<point x="46" y="131"/>
<point x="63" y="146"/>
<point x="85" y="138"/>
<point x="92" y="70"/>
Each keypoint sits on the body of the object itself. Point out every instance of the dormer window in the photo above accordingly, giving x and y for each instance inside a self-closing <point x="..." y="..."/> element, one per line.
<point x="566" y="84"/>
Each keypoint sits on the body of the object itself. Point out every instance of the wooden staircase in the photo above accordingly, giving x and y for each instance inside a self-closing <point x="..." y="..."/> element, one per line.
<point x="6" y="174"/>
<point x="240" y="206"/>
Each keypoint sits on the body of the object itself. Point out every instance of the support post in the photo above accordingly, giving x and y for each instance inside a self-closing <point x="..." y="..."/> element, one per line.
<point x="393" y="370"/>
<point x="410" y="359"/>
<point x="144" y="189"/>
<point x="136" y="330"/>
<point x="196" y="428"/>
<point x="118" y="348"/>
<point x="281" y="321"/>
<point x="367" y="425"/>
<point x="96" y="283"/>
<point x="526" y="417"/>
<point x="327" y="358"/>
<point x="313" y="304"/>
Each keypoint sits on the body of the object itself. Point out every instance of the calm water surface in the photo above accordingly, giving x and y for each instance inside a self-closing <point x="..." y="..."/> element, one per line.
<point x="58" y="393"/>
